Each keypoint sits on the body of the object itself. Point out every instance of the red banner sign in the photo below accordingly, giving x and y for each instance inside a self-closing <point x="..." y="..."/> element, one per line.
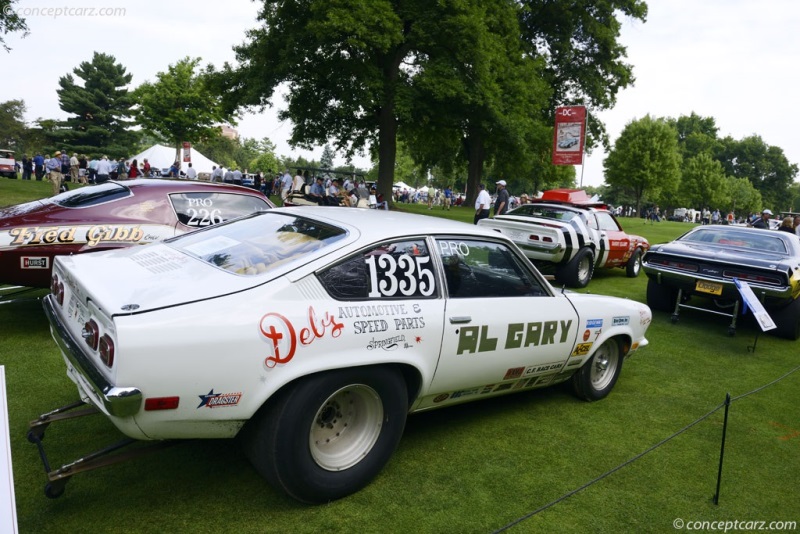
<point x="569" y="136"/>
<point x="187" y="152"/>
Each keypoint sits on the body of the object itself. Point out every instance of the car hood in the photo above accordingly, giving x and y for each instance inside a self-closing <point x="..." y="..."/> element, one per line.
<point x="720" y="254"/>
<point x="149" y="277"/>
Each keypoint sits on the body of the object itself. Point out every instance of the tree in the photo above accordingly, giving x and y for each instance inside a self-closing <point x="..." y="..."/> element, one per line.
<point x="479" y="100"/>
<point x="703" y="183"/>
<point x="744" y="198"/>
<point x="645" y="160"/>
<point x="11" y="22"/>
<point x="220" y="149"/>
<point x="180" y="105"/>
<point x="266" y="162"/>
<point x="348" y="65"/>
<point x="765" y="166"/>
<point x="352" y="70"/>
<point x="326" y="161"/>
<point x="12" y="124"/>
<point x="579" y="39"/>
<point x="98" y="107"/>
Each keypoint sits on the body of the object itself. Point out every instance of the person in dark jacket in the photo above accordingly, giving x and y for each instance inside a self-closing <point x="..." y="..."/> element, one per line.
<point x="763" y="221"/>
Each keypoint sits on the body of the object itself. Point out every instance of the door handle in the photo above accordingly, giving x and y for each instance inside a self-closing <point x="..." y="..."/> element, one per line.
<point x="460" y="320"/>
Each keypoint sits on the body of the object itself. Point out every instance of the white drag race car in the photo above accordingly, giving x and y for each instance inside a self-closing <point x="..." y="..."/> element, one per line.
<point x="312" y="334"/>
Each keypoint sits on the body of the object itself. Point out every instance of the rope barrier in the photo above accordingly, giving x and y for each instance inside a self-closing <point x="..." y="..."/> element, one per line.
<point x="642" y="454"/>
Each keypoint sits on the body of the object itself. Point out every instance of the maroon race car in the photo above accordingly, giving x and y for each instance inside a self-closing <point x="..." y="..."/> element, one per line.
<point x="112" y="215"/>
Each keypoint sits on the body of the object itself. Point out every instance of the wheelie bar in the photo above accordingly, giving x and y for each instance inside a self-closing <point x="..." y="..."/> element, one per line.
<point x="57" y="478"/>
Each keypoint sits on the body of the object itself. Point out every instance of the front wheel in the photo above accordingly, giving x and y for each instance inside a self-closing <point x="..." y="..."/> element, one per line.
<point x="596" y="378"/>
<point x="634" y="265"/>
<point x="330" y="434"/>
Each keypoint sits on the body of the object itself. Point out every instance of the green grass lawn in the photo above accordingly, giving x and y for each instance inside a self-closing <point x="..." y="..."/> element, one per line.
<point x="469" y="468"/>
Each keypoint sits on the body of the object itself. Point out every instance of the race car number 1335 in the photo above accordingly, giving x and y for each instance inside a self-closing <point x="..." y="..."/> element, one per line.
<point x="402" y="276"/>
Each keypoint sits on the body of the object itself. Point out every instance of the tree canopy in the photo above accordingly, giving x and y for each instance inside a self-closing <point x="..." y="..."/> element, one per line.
<point x="12" y="124"/>
<point x="98" y="108"/>
<point x="10" y="22"/>
<point x="462" y="82"/>
<point x="765" y="166"/>
<point x="180" y="105"/>
<point x="579" y="39"/>
<point x="645" y="160"/>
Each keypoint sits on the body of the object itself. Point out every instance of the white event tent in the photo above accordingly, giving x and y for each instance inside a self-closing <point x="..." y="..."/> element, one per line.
<point x="403" y="185"/>
<point x="161" y="157"/>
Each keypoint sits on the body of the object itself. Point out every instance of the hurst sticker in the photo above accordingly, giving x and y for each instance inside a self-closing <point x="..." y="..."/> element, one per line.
<point x="34" y="262"/>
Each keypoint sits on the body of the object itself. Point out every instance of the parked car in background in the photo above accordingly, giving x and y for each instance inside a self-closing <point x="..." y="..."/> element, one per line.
<point x="567" y="233"/>
<point x="111" y="215"/>
<point x="315" y="332"/>
<point x="8" y="165"/>
<point x="704" y="262"/>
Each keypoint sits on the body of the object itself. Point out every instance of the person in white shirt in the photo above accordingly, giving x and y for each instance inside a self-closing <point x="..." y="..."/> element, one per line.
<point x="216" y="174"/>
<point x="191" y="173"/>
<point x="482" y="205"/>
<point x="103" y="170"/>
<point x="286" y="185"/>
<point x="298" y="183"/>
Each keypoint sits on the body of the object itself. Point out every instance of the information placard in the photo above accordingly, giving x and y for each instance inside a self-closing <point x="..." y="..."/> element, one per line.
<point x="752" y="302"/>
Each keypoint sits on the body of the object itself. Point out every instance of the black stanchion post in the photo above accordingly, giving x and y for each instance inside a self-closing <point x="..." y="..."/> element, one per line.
<point x="722" y="446"/>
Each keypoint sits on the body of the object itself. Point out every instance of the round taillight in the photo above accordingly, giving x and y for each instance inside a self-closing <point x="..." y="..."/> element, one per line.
<point x="107" y="350"/>
<point x="91" y="333"/>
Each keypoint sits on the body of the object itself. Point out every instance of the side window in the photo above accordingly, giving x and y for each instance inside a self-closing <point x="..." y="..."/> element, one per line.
<point x="607" y="222"/>
<point x="591" y="221"/>
<point x="199" y="210"/>
<point x="476" y="268"/>
<point x="399" y="270"/>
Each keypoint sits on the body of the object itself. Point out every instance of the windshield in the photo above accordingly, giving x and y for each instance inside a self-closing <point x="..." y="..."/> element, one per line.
<point x="259" y="243"/>
<point x="748" y="239"/>
<point x="544" y="211"/>
<point x="92" y="195"/>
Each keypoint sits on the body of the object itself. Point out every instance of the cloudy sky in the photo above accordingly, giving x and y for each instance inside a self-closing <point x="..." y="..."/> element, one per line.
<point x="733" y="60"/>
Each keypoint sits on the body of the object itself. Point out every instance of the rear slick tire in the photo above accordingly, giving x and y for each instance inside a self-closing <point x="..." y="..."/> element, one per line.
<point x="787" y="320"/>
<point x="578" y="272"/>
<point x="328" y="435"/>
<point x="661" y="297"/>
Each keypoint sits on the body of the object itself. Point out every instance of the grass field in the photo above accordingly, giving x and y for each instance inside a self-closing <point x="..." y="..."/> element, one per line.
<point x="471" y="468"/>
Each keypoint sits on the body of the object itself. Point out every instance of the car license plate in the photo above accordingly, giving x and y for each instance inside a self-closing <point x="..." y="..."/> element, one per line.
<point x="712" y="288"/>
<point x="77" y="311"/>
